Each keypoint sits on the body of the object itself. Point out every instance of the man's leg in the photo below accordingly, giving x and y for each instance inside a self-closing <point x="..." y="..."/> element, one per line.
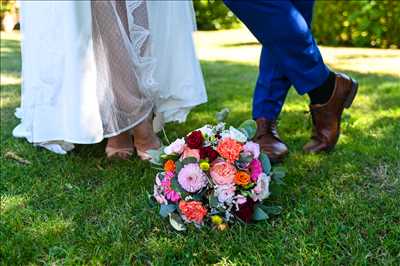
<point x="271" y="88"/>
<point x="270" y="94"/>
<point x="272" y="85"/>
<point x="281" y="27"/>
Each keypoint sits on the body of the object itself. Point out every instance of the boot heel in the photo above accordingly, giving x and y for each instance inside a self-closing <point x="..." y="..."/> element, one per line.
<point x="352" y="95"/>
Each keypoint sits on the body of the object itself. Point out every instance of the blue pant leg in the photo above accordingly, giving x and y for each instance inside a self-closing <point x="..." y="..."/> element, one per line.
<point x="280" y="27"/>
<point x="306" y="8"/>
<point x="272" y="86"/>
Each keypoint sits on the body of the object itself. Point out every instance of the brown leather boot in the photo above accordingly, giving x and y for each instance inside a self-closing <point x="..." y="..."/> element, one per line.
<point x="268" y="139"/>
<point x="327" y="117"/>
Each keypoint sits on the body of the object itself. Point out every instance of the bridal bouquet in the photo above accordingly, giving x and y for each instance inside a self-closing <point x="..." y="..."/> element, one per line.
<point x="215" y="175"/>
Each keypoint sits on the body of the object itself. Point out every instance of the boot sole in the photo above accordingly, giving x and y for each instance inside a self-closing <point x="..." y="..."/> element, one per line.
<point x="354" y="89"/>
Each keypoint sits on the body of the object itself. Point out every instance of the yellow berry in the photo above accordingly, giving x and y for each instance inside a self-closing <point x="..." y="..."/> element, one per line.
<point x="216" y="219"/>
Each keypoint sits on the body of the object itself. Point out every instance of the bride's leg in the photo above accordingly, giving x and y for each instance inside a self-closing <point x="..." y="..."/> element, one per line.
<point x="145" y="139"/>
<point x="120" y="146"/>
<point x="122" y="103"/>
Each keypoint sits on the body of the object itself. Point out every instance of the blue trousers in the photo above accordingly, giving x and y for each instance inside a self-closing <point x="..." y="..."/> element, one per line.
<point x="290" y="55"/>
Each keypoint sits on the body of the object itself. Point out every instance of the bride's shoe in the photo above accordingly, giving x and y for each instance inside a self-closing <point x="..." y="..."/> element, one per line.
<point x="120" y="147"/>
<point x="145" y="139"/>
<point x="119" y="153"/>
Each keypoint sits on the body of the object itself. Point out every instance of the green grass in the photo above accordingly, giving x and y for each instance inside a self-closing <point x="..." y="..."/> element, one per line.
<point x="339" y="209"/>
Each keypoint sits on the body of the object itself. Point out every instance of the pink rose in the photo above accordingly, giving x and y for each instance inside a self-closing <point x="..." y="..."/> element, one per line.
<point x="188" y="152"/>
<point x="253" y="148"/>
<point x="256" y="169"/>
<point x="222" y="173"/>
<point x="175" y="147"/>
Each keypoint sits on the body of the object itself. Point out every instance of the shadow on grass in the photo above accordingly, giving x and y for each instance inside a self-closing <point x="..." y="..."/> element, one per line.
<point x="241" y="44"/>
<point x="89" y="202"/>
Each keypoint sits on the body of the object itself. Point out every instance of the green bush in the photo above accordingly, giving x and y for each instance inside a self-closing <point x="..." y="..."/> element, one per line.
<point x="214" y="15"/>
<point x="7" y="6"/>
<point x="362" y="23"/>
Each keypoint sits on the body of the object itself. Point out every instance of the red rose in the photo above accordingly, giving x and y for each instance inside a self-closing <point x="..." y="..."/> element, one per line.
<point x="208" y="152"/>
<point x="195" y="140"/>
<point x="246" y="210"/>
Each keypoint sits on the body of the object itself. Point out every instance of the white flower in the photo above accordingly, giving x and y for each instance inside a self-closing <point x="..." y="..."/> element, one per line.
<point x="175" y="147"/>
<point x="239" y="200"/>
<point x="261" y="191"/>
<point x="207" y="131"/>
<point x="225" y="193"/>
<point x="235" y="134"/>
<point x="252" y="148"/>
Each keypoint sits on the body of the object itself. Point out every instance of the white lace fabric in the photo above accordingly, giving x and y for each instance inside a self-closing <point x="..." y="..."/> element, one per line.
<point x="88" y="67"/>
<point x="123" y="62"/>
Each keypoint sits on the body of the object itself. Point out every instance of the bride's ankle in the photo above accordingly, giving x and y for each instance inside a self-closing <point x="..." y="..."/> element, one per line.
<point x="122" y="140"/>
<point x="144" y="136"/>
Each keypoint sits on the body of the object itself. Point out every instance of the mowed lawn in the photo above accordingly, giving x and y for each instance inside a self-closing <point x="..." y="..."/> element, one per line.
<point x="340" y="208"/>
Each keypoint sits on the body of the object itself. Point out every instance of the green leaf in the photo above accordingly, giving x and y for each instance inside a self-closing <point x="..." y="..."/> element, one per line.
<point x="197" y="197"/>
<point x="176" y="222"/>
<point x="265" y="163"/>
<point x="249" y="128"/>
<point x="245" y="158"/>
<point x="178" y="166"/>
<point x="272" y="210"/>
<point x="175" y="186"/>
<point x="189" y="160"/>
<point x="156" y="156"/>
<point x="213" y="201"/>
<point x="222" y="115"/>
<point x="275" y="189"/>
<point x="172" y="157"/>
<point x="277" y="176"/>
<point x="165" y="210"/>
<point x="259" y="214"/>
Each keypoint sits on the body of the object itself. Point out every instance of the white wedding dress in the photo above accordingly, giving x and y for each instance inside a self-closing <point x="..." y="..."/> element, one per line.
<point x="66" y="96"/>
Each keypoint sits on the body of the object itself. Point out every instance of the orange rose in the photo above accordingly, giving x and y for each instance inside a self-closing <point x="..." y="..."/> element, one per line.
<point x="169" y="166"/>
<point x="242" y="178"/>
<point x="229" y="149"/>
<point x="193" y="211"/>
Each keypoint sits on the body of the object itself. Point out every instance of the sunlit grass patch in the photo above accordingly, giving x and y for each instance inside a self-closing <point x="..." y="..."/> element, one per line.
<point x="340" y="208"/>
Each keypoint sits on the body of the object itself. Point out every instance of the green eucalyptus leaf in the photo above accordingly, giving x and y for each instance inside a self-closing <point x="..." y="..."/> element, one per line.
<point x="245" y="158"/>
<point x="213" y="201"/>
<point x="249" y="128"/>
<point x="277" y="176"/>
<point x="275" y="189"/>
<point x="156" y="156"/>
<point x="265" y="163"/>
<point x="178" y="166"/>
<point x="259" y="214"/>
<point x="222" y="115"/>
<point x="272" y="210"/>
<point x="165" y="210"/>
<point x="176" y="222"/>
<point x="175" y="186"/>
<point x="173" y="157"/>
<point x="189" y="160"/>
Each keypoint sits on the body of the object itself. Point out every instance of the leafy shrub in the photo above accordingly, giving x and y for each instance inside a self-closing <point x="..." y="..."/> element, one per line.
<point x="363" y="23"/>
<point x="214" y="15"/>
